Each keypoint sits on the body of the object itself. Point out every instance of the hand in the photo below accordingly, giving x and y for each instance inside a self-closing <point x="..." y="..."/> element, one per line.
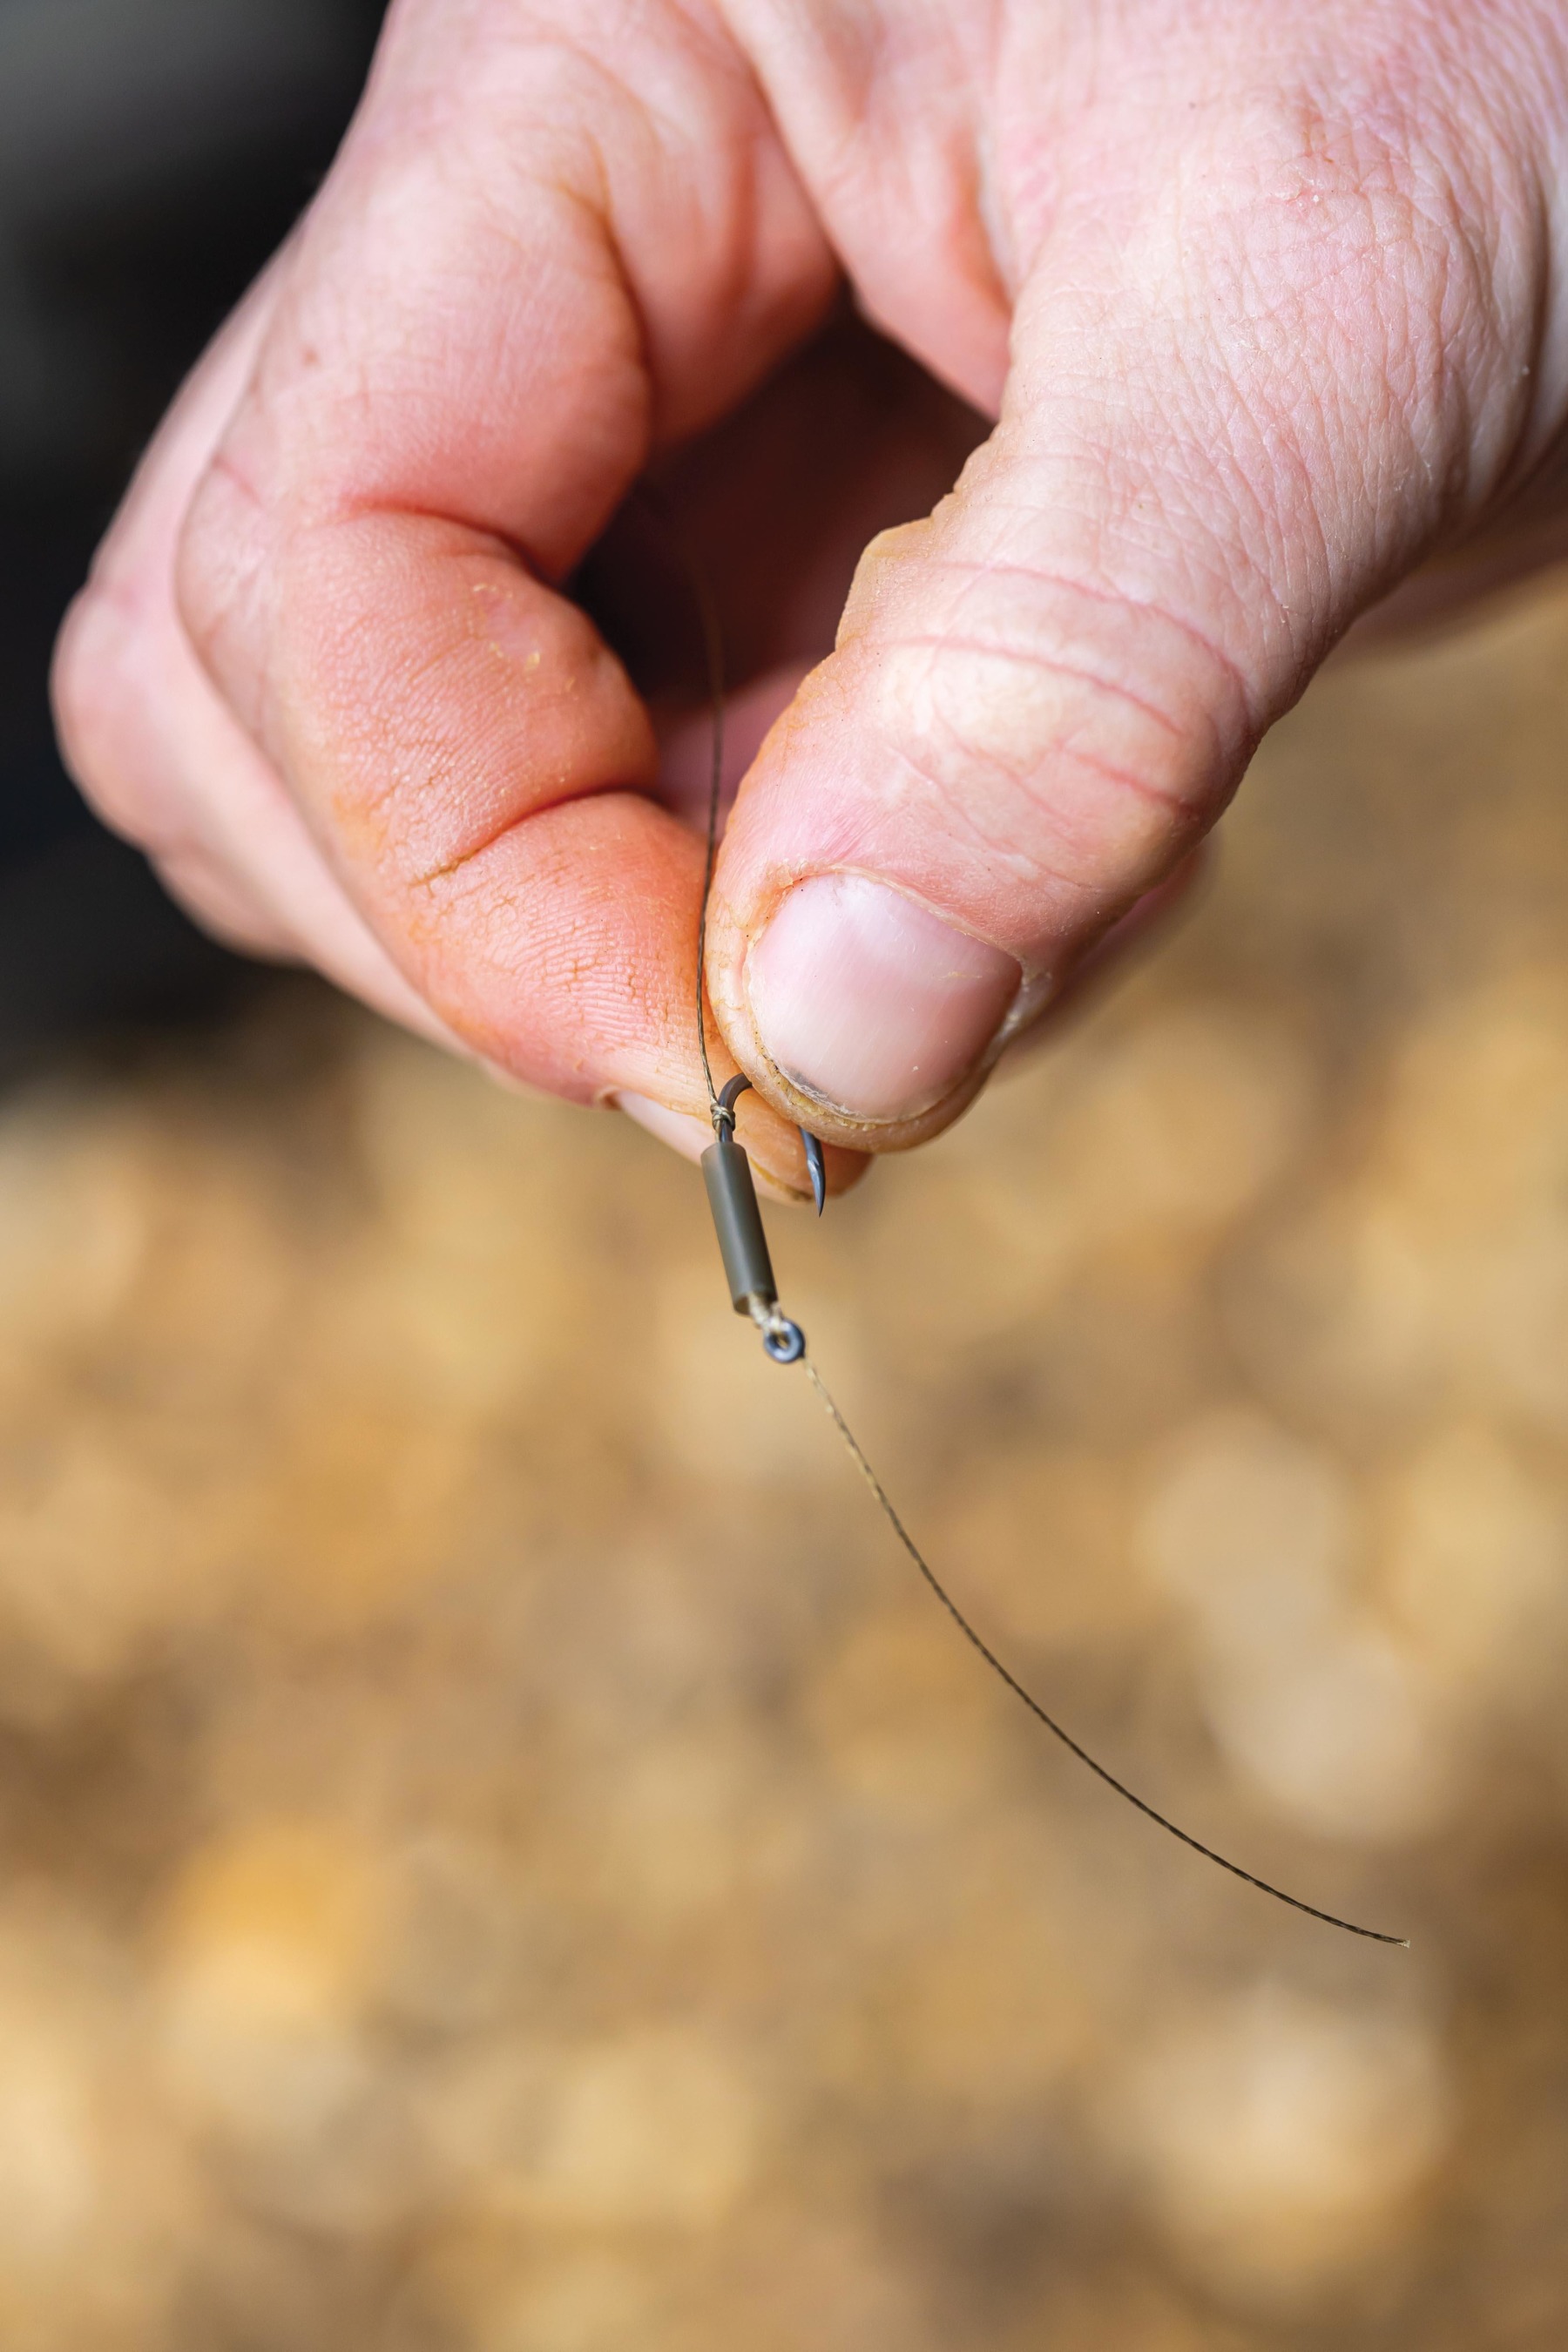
<point x="1261" y="302"/>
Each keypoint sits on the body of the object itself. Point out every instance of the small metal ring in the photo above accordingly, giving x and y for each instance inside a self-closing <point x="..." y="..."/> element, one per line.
<point x="784" y="1342"/>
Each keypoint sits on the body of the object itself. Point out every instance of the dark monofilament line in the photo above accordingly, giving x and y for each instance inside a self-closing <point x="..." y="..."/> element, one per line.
<point x="714" y="641"/>
<point x="713" y="638"/>
<point x="1373" y="1935"/>
<point x="713" y="657"/>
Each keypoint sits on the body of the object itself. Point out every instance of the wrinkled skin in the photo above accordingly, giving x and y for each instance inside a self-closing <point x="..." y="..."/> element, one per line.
<point x="1228" y="317"/>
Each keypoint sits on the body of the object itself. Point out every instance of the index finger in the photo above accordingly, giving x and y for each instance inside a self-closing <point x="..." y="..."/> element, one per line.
<point x="501" y="306"/>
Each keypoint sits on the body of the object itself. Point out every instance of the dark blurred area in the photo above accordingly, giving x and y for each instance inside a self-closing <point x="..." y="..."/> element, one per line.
<point x="153" y="153"/>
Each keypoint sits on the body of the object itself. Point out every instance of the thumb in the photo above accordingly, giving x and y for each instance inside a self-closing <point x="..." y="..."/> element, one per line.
<point x="1043" y="694"/>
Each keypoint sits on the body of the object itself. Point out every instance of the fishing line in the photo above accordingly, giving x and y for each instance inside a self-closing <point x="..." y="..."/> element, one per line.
<point x="742" y="1244"/>
<point x="1373" y="1935"/>
<point x="653" y="497"/>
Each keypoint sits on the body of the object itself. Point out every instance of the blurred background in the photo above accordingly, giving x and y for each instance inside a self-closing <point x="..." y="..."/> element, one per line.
<point x="496" y="1852"/>
<point x="153" y="153"/>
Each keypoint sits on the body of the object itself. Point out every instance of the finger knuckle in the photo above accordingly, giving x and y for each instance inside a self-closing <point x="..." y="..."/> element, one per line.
<point x="98" y="687"/>
<point x="1060" y="717"/>
<point x="216" y="563"/>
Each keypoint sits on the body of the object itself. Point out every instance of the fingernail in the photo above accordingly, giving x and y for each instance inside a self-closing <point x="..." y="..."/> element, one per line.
<point x="689" y="1136"/>
<point x="872" y="1001"/>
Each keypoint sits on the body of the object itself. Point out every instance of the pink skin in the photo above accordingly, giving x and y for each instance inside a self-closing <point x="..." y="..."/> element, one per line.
<point x="1257" y="301"/>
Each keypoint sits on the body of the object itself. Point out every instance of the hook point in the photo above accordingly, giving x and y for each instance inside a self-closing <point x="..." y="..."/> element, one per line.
<point x="817" y="1169"/>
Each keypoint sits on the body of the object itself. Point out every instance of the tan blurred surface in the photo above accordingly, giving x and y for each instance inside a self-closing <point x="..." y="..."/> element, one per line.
<point x="500" y="1856"/>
